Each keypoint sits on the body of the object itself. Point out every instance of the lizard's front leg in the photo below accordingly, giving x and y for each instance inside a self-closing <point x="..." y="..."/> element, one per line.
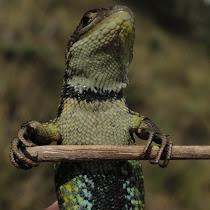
<point x="147" y="130"/>
<point x="32" y="133"/>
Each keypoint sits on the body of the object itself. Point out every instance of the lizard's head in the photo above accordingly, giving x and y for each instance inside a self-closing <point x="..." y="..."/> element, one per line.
<point x="100" y="50"/>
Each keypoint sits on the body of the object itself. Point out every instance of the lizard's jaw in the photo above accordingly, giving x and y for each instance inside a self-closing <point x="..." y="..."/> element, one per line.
<point x="99" y="60"/>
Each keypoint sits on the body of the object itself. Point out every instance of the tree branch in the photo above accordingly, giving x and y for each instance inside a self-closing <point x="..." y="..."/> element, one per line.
<point x="56" y="153"/>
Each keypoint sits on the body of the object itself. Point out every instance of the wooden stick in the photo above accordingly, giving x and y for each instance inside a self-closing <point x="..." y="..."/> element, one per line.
<point x="56" y="153"/>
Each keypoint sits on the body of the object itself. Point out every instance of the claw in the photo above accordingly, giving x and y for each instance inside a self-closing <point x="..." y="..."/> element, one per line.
<point x="13" y="158"/>
<point x="166" y="145"/>
<point x="18" y="159"/>
<point x="19" y="154"/>
<point x="168" y="150"/>
<point x="147" y="130"/>
<point x="11" y="155"/>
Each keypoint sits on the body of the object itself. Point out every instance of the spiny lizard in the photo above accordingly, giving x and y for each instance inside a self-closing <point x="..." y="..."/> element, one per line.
<point x="93" y="111"/>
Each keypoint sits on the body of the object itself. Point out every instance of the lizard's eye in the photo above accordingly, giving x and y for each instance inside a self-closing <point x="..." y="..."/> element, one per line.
<point x="85" y="21"/>
<point x="88" y="18"/>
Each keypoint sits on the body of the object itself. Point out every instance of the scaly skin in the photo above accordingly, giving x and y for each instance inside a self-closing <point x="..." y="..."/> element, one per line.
<point x="93" y="111"/>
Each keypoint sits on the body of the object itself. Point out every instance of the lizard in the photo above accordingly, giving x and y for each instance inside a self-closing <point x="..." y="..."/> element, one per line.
<point x="93" y="111"/>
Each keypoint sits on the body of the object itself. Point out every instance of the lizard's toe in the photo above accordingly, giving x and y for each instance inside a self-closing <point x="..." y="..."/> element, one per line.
<point x="23" y="132"/>
<point x="168" y="152"/>
<point x="18" y="158"/>
<point x="165" y="149"/>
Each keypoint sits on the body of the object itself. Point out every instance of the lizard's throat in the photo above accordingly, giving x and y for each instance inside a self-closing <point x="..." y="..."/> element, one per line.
<point x="97" y="78"/>
<point x="99" y="68"/>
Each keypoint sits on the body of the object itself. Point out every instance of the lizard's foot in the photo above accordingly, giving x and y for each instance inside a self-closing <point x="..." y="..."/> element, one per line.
<point x="27" y="132"/>
<point x="164" y="149"/>
<point x="148" y="131"/>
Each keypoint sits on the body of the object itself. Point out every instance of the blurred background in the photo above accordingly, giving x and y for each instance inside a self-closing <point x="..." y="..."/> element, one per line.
<point x="169" y="82"/>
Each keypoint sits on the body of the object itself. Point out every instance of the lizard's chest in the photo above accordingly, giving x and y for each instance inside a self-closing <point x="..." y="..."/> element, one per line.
<point x="95" y="123"/>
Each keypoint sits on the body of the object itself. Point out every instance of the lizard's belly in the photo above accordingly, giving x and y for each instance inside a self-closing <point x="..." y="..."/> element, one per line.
<point x="104" y="184"/>
<point x="105" y="123"/>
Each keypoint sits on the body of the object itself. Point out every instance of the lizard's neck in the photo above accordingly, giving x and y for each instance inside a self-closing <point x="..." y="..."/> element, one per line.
<point x="96" y="84"/>
<point x="96" y="76"/>
<point x="98" y="68"/>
